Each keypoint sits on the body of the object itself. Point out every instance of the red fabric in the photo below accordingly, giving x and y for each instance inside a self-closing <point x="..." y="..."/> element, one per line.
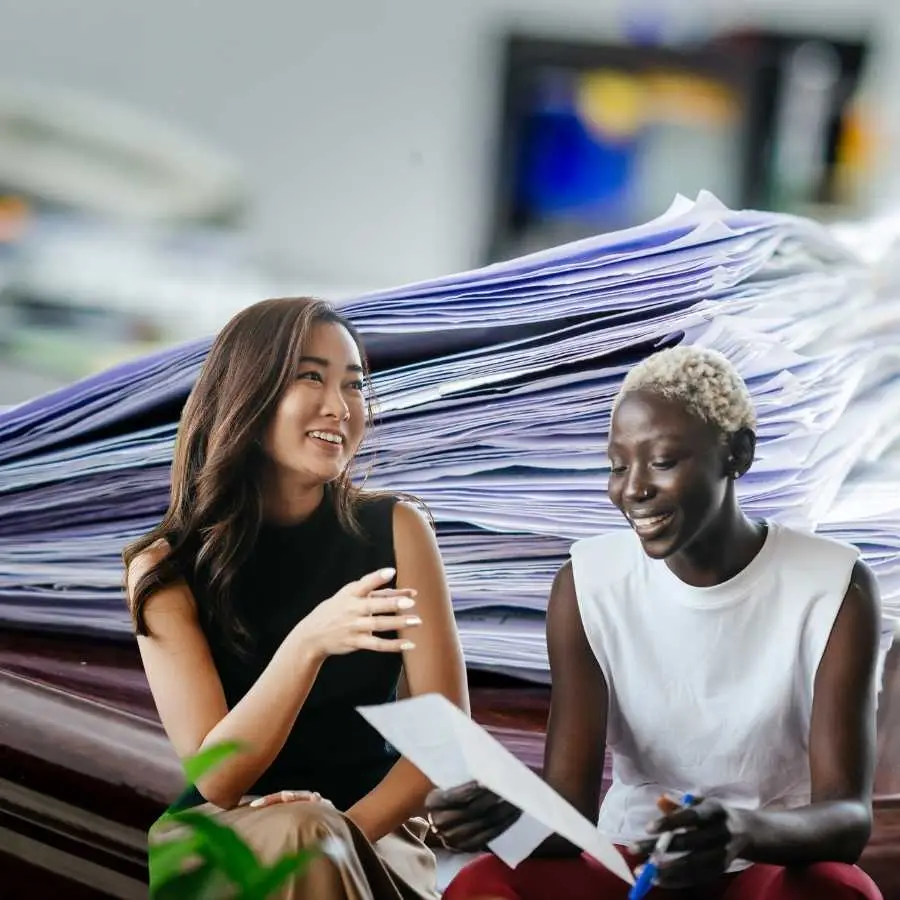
<point x="584" y="879"/>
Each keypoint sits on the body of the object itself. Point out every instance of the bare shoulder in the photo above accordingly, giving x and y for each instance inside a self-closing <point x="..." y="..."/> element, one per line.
<point x="564" y="579"/>
<point x="864" y="585"/>
<point x="861" y="609"/>
<point x="411" y="523"/>
<point x="563" y="615"/>
<point x="173" y="598"/>
<point x="147" y="559"/>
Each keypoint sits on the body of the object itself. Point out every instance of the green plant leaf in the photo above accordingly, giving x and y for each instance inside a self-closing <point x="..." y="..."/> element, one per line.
<point x="221" y="846"/>
<point x="195" y="767"/>
<point x="167" y="858"/>
<point x="198" y="884"/>
<point x="269" y="880"/>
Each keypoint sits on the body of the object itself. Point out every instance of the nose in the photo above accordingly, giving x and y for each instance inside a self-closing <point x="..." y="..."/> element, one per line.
<point x="334" y="405"/>
<point x="638" y="486"/>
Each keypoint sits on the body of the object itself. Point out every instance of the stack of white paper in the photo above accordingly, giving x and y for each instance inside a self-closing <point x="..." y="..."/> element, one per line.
<point x="494" y="389"/>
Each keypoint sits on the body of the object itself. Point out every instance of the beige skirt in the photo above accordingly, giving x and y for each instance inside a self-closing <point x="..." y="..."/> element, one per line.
<point x="398" y="867"/>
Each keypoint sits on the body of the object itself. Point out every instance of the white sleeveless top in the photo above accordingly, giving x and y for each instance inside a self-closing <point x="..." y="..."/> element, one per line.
<point x="710" y="689"/>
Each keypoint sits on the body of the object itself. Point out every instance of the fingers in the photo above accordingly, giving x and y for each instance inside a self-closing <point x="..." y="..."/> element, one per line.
<point x="642" y="849"/>
<point x="455" y="797"/>
<point x="700" y="839"/>
<point x="383" y="645"/>
<point x="286" y="797"/>
<point x="387" y="623"/>
<point x="692" y="869"/>
<point x="387" y="602"/>
<point x="703" y="813"/>
<point x="469" y="816"/>
<point x="475" y="837"/>
<point x="472" y="829"/>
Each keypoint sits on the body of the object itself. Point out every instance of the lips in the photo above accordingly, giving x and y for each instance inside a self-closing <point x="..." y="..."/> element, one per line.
<point x="648" y="527"/>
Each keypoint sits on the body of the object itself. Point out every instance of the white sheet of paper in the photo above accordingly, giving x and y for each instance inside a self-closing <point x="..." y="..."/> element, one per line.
<point x="520" y="840"/>
<point x="451" y="749"/>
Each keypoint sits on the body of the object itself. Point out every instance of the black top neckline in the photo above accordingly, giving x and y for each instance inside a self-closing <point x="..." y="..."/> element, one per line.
<point x="325" y="506"/>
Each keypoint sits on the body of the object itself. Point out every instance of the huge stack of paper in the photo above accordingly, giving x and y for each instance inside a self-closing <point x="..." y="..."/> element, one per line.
<point x="866" y="510"/>
<point x="494" y="389"/>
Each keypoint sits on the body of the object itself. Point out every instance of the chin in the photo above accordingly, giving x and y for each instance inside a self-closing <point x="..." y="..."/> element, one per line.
<point x="315" y="471"/>
<point x="664" y="545"/>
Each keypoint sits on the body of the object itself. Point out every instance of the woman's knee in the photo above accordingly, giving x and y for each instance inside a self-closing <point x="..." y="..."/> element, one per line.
<point x="287" y="827"/>
<point x="838" y="881"/>
<point x="575" y="878"/>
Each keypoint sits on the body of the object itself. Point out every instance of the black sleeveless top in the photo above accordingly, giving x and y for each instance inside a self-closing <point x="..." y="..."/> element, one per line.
<point x="331" y="748"/>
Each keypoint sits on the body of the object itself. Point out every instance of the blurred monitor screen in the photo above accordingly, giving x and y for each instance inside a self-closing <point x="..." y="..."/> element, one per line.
<point x="596" y="138"/>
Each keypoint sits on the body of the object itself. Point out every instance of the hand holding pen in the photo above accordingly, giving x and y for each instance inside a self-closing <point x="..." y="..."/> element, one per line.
<point x="706" y="835"/>
<point x="658" y="849"/>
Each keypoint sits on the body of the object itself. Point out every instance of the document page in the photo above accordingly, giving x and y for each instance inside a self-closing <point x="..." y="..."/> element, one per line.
<point x="451" y="749"/>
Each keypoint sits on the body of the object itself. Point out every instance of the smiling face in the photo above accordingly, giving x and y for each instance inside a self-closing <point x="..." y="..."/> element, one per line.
<point x="669" y="472"/>
<point x="321" y="417"/>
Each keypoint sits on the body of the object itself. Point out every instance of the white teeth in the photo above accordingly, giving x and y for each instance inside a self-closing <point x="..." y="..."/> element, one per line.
<point x="649" y="521"/>
<point x="328" y="436"/>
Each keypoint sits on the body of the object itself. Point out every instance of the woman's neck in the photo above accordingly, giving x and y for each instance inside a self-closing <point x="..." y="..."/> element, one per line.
<point x="287" y="504"/>
<point x="724" y="550"/>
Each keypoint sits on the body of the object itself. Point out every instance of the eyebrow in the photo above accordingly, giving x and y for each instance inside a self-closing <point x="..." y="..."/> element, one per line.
<point x="677" y="440"/>
<point x="319" y="361"/>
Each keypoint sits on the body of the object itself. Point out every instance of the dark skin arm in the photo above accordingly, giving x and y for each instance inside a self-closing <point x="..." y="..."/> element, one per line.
<point x="468" y="816"/>
<point x="836" y="825"/>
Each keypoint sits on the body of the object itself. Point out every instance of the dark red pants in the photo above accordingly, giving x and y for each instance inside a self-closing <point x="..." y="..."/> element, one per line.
<point x="584" y="879"/>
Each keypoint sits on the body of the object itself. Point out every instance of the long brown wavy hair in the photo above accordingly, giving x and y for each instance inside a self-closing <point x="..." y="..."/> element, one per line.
<point x="216" y="502"/>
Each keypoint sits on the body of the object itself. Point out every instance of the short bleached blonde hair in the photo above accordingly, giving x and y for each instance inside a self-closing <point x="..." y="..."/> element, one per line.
<point x="702" y="379"/>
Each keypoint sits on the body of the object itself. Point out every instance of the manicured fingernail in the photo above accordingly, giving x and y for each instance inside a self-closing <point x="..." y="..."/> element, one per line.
<point x="406" y="603"/>
<point x="407" y="645"/>
<point x="388" y="573"/>
<point x="413" y="620"/>
<point x="259" y="801"/>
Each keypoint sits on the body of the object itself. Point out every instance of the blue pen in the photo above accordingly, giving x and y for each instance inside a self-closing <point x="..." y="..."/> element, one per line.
<point x="645" y="880"/>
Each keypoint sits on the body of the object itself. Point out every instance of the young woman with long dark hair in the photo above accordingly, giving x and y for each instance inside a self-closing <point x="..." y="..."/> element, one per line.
<point x="276" y="596"/>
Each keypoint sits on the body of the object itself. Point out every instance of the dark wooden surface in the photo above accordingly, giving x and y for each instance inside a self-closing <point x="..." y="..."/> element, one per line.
<point x="81" y="747"/>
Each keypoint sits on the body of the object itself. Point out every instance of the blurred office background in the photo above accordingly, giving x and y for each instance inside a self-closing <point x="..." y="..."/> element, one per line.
<point x="163" y="164"/>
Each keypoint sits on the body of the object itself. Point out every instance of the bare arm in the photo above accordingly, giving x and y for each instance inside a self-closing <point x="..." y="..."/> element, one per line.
<point x="837" y="823"/>
<point x="434" y="666"/>
<point x="190" y="699"/>
<point x="576" y="729"/>
<point x="188" y="691"/>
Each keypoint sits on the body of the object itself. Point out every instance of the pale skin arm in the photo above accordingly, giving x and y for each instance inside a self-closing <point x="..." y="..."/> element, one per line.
<point x="434" y="666"/>
<point x="177" y="655"/>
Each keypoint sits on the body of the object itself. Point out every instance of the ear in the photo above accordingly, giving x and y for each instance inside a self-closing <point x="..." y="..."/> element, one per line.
<point x="741" y="450"/>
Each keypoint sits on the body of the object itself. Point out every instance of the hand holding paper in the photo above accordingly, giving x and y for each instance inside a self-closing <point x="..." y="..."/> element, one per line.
<point x="451" y="749"/>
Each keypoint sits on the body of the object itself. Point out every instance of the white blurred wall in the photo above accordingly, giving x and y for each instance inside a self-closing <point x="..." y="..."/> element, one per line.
<point x="366" y="128"/>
